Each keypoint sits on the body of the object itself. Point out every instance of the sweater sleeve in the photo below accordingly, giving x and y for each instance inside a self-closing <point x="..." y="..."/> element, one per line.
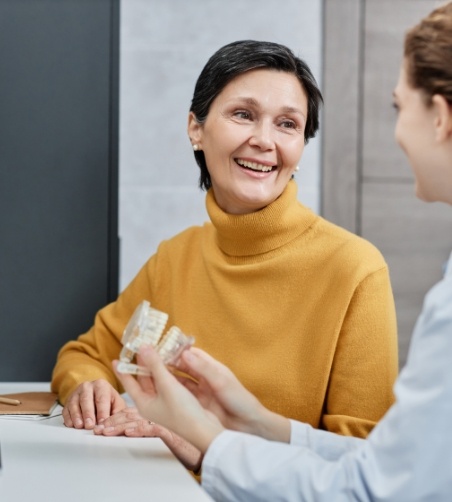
<point x="89" y="357"/>
<point x="365" y="364"/>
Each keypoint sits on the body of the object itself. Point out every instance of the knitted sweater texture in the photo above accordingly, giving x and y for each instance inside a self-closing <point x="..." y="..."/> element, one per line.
<point x="301" y="311"/>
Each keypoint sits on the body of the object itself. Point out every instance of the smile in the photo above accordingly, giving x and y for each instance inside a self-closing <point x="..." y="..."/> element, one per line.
<point x="254" y="166"/>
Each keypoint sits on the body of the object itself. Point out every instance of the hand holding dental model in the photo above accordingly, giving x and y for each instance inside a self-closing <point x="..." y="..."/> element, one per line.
<point x="219" y="400"/>
<point x="202" y="405"/>
<point x="146" y="327"/>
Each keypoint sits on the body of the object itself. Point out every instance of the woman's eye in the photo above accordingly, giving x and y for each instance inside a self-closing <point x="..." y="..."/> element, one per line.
<point x="242" y="114"/>
<point x="288" y="124"/>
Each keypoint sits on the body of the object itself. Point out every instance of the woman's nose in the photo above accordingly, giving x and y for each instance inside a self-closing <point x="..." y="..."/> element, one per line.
<point x="262" y="136"/>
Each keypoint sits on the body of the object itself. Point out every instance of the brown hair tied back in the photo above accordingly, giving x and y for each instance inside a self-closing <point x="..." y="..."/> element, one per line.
<point x="428" y="54"/>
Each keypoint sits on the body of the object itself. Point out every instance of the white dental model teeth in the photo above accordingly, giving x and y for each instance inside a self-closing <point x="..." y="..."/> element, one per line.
<point x="145" y="327"/>
<point x="132" y="369"/>
<point x="173" y="344"/>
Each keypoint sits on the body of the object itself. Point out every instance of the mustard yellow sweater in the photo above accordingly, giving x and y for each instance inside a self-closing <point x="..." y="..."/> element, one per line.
<point x="301" y="310"/>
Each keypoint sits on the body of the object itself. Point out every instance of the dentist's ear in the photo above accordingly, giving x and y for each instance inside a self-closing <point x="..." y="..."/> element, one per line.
<point x="443" y="118"/>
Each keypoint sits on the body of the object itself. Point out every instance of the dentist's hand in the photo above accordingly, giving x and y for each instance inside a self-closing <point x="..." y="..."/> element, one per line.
<point x="165" y="401"/>
<point x="220" y="392"/>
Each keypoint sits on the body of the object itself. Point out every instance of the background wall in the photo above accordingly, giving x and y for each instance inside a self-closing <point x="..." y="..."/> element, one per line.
<point x="58" y="176"/>
<point x="164" y="45"/>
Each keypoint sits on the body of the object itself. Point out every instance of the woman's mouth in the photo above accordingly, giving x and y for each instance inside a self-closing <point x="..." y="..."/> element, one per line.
<point x="255" y="166"/>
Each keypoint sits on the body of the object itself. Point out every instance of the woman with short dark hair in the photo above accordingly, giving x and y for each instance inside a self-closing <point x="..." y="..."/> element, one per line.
<point x="300" y="309"/>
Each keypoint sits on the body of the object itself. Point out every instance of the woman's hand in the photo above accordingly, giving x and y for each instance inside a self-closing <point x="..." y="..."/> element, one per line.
<point x="128" y="422"/>
<point x="90" y="403"/>
<point x="220" y="392"/>
<point x="162" y="399"/>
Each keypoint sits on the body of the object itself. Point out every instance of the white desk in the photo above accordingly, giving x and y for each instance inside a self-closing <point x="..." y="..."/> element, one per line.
<point x="43" y="461"/>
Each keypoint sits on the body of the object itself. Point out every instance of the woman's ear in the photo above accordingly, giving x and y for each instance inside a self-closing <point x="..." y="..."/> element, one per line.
<point x="443" y="117"/>
<point x="194" y="130"/>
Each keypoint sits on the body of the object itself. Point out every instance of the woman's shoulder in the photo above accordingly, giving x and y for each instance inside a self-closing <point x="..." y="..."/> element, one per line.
<point x="187" y="236"/>
<point x="347" y="243"/>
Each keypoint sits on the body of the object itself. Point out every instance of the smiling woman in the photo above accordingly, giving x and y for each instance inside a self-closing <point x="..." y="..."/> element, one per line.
<point x="252" y="138"/>
<point x="300" y="309"/>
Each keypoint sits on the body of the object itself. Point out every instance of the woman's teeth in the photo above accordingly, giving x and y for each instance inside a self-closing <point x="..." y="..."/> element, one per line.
<point x="254" y="166"/>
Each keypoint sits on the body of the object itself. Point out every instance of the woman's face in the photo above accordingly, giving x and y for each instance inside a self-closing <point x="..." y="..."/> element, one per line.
<point x="253" y="138"/>
<point x="417" y="133"/>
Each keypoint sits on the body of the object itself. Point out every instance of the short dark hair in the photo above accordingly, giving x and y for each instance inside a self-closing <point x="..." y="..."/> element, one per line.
<point x="239" y="57"/>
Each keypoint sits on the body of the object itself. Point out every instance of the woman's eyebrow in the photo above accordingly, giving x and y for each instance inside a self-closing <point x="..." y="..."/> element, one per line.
<point x="246" y="100"/>
<point x="285" y="109"/>
<point x="291" y="109"/>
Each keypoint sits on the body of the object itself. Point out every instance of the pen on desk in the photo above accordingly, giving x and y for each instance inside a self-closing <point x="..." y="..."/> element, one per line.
<point x="7" y="400"/>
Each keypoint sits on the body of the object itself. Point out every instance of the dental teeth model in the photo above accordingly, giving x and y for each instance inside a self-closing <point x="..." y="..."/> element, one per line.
<point x="146" y="327"/>
<point x="173" y="343"/>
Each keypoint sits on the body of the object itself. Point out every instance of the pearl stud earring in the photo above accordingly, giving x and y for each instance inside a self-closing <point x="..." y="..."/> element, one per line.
<point x="297" y="168"/>
<point x="195" y="147"/>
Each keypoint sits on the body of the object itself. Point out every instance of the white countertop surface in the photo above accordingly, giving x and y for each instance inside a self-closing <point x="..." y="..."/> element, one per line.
<point x="42" y="460"/>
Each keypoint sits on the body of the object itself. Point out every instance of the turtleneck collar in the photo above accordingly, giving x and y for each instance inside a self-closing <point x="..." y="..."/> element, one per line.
<point x="265" y="230"/>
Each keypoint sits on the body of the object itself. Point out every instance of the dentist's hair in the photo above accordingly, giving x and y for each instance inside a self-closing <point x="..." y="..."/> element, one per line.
<point x="428" y="54"/>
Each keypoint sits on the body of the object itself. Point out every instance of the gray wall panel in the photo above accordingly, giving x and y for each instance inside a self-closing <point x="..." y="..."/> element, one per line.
<point x="57" y="176"/>
<point x="341" y="117"/>
<point x="415" y="239"/>
<point x="385" y="24"/>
